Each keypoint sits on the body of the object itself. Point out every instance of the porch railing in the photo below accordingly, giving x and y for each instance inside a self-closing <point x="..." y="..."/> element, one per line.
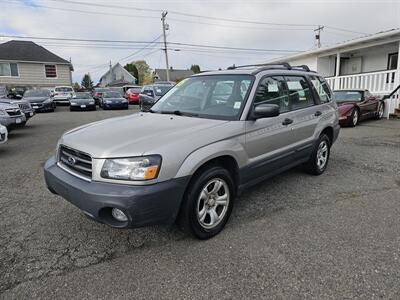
<point x="382" y="82"/>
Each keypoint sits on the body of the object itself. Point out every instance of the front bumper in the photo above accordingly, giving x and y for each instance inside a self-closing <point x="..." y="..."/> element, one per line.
<point x="83" y="106"/>
<point x="115" y="105"/>
<point x="13" y="121"/>
<point x="29" y="113"/>
<point x="41" y="107"/>
<point x="144" y="205"/>
<point x="3" y="136"/>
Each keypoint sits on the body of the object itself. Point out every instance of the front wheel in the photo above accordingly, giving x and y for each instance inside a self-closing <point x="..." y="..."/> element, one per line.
<point x="208" y="203"/>
<point x="354" y="118"/>
<point x="319" y="158"/>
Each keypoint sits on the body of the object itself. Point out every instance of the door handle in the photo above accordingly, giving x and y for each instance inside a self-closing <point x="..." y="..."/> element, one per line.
<point x="287" y="121"/>
<point x="317" y="113"/>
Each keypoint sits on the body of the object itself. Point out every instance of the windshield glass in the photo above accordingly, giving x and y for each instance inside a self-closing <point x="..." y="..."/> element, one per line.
<point x="161" y="90"/>
<point x="37" y="93"/>
<point x="214" y="96"/>
<point x="63" y="89"/>
<point x="342" y="96"/>
<point x="135" y="90"/>
<point x="111" y="94"/>
<point x="83" y="96"/>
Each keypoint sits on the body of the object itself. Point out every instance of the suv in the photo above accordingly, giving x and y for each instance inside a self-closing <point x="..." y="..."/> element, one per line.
<point x="63" y="94"/>
<point x="11" y="116"/>
<point x="210" y="137"/>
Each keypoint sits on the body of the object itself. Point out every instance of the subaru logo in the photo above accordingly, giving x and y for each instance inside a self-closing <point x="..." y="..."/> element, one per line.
<point x="71" y="160"/>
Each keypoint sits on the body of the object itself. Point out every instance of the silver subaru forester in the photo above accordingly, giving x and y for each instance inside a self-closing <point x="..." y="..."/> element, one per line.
<point x="209" y="138"/>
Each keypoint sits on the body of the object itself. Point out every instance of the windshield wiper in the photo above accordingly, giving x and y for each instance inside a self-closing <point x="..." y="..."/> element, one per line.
<point x="178" y="113"/>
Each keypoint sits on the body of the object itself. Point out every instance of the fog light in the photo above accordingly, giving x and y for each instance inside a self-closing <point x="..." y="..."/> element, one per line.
<point x="119" y="215"/>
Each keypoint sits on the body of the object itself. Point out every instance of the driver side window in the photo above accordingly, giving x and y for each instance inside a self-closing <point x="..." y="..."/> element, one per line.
<point x="272" y="90"/>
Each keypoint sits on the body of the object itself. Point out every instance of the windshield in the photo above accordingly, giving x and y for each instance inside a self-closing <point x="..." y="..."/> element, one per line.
<point x="161" y="90"/>
<point x="111" y="94"/>
<point x="343" y="96"/>
<point x="214" y="96"/>
<point x="37" y="93"/>
<point x="83" y="96"/>
<point x="64" y="89"/>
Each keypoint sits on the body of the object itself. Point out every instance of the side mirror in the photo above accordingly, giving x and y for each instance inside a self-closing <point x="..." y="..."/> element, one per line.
<point x="265" y="111"/>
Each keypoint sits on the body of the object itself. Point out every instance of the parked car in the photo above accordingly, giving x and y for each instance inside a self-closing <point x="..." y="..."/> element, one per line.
<point x="82" y="101"/>
<point x="97" y="92"/>
<point x="132" y="95"/>
<point x="357" y="105"/>
<point x="40" y="100"/>
<point x="3" y="134"/>
<point x="17" y="92"/>
<point x="11" y="116"/>
<point x="24" y="105"/>
<point x="188" y="158"/>
<point x="151" y="93"/>
<point x="111" y="99"/>
<point x="63" y="94"/>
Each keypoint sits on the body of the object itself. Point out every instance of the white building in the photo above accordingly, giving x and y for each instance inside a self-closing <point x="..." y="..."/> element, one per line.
<point x="370" y="62"/>
<point x="117" y="76"/>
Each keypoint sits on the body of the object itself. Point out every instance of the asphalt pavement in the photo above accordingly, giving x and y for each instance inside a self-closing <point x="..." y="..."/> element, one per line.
<point x="334" y="236"/>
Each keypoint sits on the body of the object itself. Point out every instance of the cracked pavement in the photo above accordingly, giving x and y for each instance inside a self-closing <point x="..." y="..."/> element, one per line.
<point x="293" y="236"/>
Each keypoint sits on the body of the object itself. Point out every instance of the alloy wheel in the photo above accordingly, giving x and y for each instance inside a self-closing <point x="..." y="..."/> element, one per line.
<point x="322" y="155"/>
<point x="213" y="203"/>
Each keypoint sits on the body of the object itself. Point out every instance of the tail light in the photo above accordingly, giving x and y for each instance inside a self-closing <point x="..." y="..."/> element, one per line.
<point x="55" y="94"/>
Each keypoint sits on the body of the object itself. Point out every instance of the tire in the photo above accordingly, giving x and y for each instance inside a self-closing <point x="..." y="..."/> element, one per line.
<point x="319" y="158"/>
<point x="200" y="215"/>
<point x="380" y="111"/>
<point x="355" y="117"/>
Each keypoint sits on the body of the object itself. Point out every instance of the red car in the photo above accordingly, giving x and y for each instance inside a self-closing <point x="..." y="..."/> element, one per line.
<point x="357" y="105"/>
<point x="132" y="95"/>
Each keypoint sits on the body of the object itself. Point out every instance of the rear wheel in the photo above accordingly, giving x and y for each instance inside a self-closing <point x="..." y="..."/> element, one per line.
<point x="380" y="111"/>
<point x="208" y="203"/>
<point x="319" y="158"/>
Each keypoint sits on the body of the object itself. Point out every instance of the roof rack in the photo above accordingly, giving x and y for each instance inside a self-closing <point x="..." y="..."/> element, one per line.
<point x="263" y="67"/>
<point x="284" y="64"/>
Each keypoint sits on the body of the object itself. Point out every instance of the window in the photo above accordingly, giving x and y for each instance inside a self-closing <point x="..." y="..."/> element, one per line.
<point x="322" y="89"/>
<point x="271" y="90"/>
<point x="392" y="65"/>
<point x="9" y="69"/>
<point x="299" y="92"/>
<point x="51" y="71"/>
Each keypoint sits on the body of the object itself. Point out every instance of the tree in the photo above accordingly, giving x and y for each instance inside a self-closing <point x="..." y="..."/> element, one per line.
<point x="144" y="71"/>
<point x="87" y="82"/>
<point x="195" y="69"/>
<point x="77" y="87"/>
<point x="131" y="68"/>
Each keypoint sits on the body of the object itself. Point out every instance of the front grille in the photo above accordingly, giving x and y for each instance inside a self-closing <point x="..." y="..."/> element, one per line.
<point x="76" y="161"/>
<point x="13" y="112"/>
<point x="24" y="106"/>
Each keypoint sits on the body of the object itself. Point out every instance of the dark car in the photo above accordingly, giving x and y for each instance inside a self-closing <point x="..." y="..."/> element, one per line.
<point x="151" y="93"/>
<point x="40" y="100"/>
<point x="111" y="99"/>
<point x="96" y="94"/>
<point x="357" y="105"/>
<point x="132" y="95"/>
<point x="82" y="101"/>
<point x="17" y="92"/>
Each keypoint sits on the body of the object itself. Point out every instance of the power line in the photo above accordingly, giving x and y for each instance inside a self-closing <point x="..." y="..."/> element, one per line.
<point x="146" y="42"/>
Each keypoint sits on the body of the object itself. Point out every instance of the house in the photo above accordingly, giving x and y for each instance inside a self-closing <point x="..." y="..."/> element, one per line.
<point x="24" y="63"/>
<point x="370" y="62"/>
<point x="174" y="74"/>
<point x="117" y="76"/>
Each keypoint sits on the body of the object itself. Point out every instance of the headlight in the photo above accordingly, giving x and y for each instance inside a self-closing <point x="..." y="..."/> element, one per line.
<point x="108" y="101"/>
<point x="74" y="103"/>
<point x="133" y="168"/>
<point x="124" y="101"/>
<point x="46" y="101"/>
<point x="91" y="102"/>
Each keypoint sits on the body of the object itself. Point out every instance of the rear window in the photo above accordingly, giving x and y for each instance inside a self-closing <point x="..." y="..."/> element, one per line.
<point x="161" y="90"/>
<point x="63" y="89"/>
<point x="135" y="90"/>
<point x="342" y="96"/>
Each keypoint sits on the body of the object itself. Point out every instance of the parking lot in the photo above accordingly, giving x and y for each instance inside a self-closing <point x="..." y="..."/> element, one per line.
<point x="296" y="235"/>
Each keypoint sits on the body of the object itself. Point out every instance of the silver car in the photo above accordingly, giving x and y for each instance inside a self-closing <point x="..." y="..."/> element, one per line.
<point x="3" y="134"/>
<point x="209" y="138"/>
<point x="11" y="116"/>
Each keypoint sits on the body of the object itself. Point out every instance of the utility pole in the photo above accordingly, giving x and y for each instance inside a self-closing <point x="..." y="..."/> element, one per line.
<point x="165" y="27"/>
<point x="318" y="35"/>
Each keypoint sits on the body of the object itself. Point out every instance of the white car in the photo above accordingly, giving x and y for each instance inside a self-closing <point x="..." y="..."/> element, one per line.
<point x="63" y="94"/>
<point x="3" y="134"/>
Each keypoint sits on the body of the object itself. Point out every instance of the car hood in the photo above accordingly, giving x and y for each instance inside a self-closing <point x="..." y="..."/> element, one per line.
<point x="35" y="99"/>
<point x="6" y="105"/>
<point x="82" y="100"/>
<point x="140" y="134"/>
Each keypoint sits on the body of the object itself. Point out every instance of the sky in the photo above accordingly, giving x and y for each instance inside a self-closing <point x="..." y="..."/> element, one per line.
<point x="222" y="23"/>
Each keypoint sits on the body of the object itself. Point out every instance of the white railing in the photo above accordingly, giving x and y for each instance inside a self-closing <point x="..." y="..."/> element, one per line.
<point x="382" y="82"/>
